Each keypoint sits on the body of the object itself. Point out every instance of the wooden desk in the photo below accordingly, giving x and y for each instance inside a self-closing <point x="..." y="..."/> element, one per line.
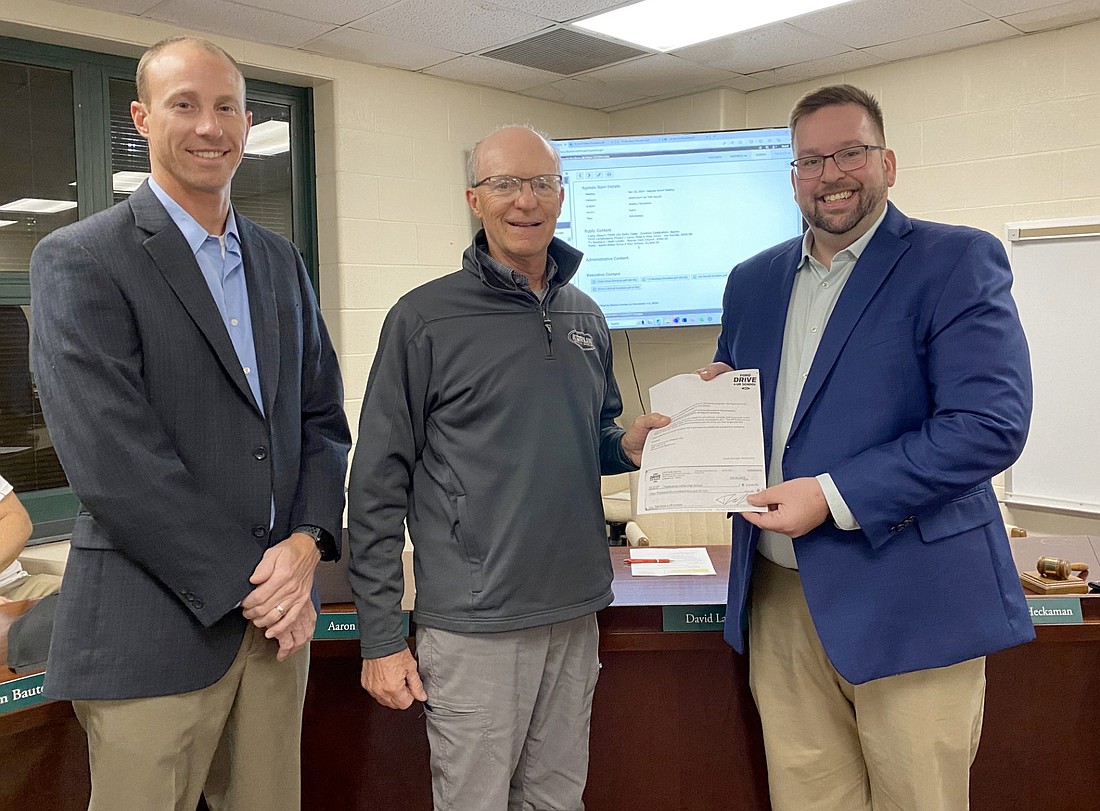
<point x="674" y="727"/>
<point x="673" y="724"/>
<point x="42" y="748"/>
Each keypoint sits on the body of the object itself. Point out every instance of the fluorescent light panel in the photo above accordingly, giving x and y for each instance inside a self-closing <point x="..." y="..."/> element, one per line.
<point x="127" y="182"/>
<point x="268" y="138"/>
<point x="664" y="25"/>
<point x="36" y="205"/>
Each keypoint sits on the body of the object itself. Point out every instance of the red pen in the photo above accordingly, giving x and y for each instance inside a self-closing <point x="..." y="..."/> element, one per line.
<point x="648" y="560"/>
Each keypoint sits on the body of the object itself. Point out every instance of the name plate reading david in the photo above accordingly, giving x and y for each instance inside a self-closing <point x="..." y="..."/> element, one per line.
<point x="19" y="694"/>
<point x="693" y="617"/>
<point x="345" y="625"/>
<point x="1055" y="610"/>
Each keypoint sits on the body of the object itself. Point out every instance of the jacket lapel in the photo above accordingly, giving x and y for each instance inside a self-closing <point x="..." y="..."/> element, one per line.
<point x="262" y="308"/>
<point x="175" y="261"/>
<point x="770" y="328"/>
<point x="875" y="264"/>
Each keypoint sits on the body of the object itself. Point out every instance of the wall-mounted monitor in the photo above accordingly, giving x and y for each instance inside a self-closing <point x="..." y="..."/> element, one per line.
<point x="662" y="219"/>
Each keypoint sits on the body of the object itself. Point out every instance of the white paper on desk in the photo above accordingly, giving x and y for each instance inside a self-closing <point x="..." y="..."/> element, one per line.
<point x="681" y="560"/>
<point x="712" y="454"/>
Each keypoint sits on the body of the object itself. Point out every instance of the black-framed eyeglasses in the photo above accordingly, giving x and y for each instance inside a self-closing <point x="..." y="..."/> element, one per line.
<point x="508" y="186"/>
<point x="847" y="160"/>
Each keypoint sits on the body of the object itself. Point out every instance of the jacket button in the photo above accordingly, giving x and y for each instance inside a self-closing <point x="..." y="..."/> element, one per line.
<point x="197" y="603"/>
<point x="259" y="531"/>
<point x="260" y="453"/>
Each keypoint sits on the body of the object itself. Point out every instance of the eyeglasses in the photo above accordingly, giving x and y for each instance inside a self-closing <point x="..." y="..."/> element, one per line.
<point x="847" y="160"/>
<point x="505" y="186"/>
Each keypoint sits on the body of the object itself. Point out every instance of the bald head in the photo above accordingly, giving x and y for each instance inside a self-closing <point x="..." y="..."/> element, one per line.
<point x="507" y="144"/>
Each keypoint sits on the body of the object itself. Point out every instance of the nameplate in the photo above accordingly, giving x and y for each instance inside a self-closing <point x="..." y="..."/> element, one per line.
<point x="1055" y="610"/>
<point x="693" y="617"/>
<point x="18" y="694"/>
<point x="345" y="625"/>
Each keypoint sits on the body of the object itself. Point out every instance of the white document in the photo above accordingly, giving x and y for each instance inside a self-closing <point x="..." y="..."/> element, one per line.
<point x="649" y="561"/>
<point x="711" y="457"/>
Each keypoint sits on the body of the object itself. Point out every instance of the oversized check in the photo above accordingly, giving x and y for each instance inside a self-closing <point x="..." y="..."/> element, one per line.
<point x="711" y="456"/>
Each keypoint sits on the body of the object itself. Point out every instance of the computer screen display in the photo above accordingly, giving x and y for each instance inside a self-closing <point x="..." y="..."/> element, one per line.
<point x="662" y="219"/>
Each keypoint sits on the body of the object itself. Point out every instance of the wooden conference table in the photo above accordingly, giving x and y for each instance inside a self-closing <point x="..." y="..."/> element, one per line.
<point x="673" y="725"/>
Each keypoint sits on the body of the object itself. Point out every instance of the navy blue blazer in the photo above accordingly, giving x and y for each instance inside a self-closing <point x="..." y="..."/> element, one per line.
<point x="920" y="391"/>
<point x="165" y="446"/>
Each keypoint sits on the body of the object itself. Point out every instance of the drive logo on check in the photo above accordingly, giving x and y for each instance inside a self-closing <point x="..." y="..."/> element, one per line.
<point x="583" y="340"/>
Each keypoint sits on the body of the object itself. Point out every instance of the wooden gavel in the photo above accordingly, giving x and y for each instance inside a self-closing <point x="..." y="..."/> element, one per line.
<point x="1058" y="569"/>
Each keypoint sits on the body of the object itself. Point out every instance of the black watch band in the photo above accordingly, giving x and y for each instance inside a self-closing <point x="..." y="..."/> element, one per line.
<point x="324" y="540"/>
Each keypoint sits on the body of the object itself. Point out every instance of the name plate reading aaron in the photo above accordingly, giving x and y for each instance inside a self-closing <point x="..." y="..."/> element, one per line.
<point x="18" y="694"/>
<point x="1055" y="610"/>
<point x="345" y="625"/>
<point x="693" y="617"/>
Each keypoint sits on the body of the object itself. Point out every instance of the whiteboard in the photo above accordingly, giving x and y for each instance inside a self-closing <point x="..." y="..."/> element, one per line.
<point x="1056" y="270"/>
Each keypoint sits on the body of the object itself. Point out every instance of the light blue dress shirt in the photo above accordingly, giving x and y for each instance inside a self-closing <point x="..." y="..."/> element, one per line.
<point x="815" y="294"/>
<point x="222" y="265"/>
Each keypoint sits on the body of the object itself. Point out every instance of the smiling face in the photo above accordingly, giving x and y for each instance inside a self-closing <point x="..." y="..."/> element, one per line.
<point x="841" y="206"/>
<point x="195" y="121"/>
<point x="518" y="227"/>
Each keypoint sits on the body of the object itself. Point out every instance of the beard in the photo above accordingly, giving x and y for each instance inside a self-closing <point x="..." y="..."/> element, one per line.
<point x="870" y="198"/>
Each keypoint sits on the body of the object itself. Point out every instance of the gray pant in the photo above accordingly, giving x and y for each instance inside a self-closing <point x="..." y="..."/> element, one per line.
<point x="508" y="715"/>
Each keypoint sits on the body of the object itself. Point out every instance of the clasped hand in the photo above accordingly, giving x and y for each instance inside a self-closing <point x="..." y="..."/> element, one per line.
<point x="280" y="604"/>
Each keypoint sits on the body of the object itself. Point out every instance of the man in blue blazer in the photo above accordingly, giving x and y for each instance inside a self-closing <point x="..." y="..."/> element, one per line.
<point x="194" y="399"/>
<point x="895" y="382"/>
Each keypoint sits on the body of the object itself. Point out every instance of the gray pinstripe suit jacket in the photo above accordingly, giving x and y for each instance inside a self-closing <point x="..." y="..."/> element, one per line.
<point x="163" y="443"/>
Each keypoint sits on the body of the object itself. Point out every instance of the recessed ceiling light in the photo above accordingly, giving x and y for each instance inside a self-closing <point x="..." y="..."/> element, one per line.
<point x="7" y="222"/>
<point x="268" y="138"/>
<point x="36" y="205"/>
<point x="127" y="182"/>
<point x="664" y="25"/>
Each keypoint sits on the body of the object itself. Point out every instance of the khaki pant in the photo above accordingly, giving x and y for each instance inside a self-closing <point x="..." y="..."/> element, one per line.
<point x="902" y="743"/>
<point x="238" y="740"/>
<point x="31" y="586"/>
<point x="508" y="715"/>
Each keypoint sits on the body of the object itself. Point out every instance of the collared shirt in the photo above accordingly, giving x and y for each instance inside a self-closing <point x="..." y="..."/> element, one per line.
<point x="513" y="278"/>
<point x="222" y="265"/>
<point x="815" y="294"/>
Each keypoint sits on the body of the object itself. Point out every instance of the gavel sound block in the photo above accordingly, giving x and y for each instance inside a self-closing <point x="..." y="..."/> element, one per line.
<point x="1056" y="576"/>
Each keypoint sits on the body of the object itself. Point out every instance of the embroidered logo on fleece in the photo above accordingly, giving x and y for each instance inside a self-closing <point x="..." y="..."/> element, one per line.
<point x="583" y="340"/>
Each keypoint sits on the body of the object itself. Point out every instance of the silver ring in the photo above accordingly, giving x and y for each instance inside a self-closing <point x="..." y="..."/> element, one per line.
<point x="280" y="609"/>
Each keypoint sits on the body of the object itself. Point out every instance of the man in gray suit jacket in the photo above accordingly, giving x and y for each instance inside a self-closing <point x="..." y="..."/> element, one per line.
<point x="194" y="399"/>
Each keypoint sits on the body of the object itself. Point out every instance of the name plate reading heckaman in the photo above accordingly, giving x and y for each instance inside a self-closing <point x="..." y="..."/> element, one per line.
<point x="1055" y="610"/>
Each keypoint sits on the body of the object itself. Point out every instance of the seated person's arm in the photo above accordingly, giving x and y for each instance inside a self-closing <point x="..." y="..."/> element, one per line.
<point x="15" y="529"/>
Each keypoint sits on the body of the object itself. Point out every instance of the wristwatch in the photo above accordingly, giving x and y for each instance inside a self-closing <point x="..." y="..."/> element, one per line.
<point x="326" y="544"/>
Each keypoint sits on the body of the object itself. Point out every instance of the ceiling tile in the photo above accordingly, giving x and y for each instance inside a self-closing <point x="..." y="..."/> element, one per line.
<point x="849" y="60"/>
<point x="746" y="84"/>
<point x="873" y="22"/>
<point x="492" y="72"/>
<point x="135" y="7"/>
<point x="771" y="46"/>
<point x="456" y="25"/>
<point x="1059" y="16"/>
<point x="234" y="20"/>
<point x="941" y="41"/>
<point x="560" y="10"/>
<point x="337" y="12"/>
<point x="1002" y="8"/>
<point x="585" y="92"/>
<point x="375" y="49"/>
<point x="658" y="75"/>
